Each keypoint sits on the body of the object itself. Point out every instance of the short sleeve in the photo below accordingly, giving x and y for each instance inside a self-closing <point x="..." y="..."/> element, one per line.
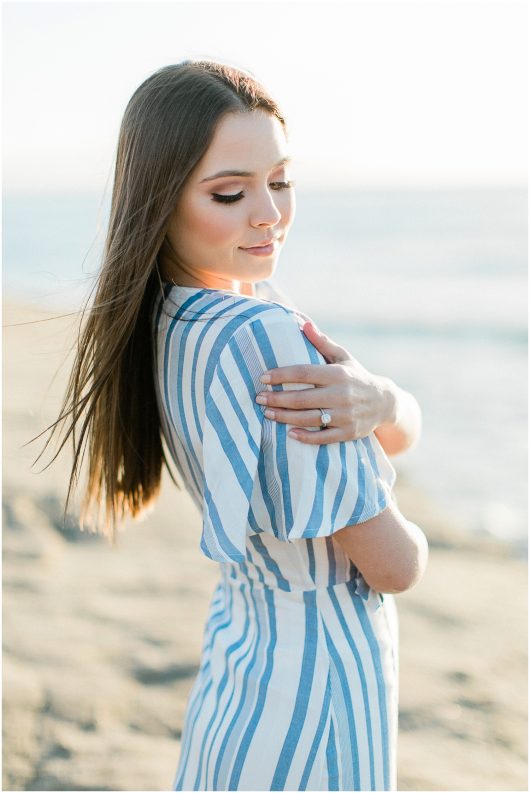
<point x="257" y="478"/>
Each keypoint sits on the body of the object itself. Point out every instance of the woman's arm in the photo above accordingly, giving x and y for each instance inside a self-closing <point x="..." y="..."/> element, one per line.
<point x="390" y="551"/>
<point x="359" y="402"/>
<point x="402" y="429"/>
<point x="396" y="415"/>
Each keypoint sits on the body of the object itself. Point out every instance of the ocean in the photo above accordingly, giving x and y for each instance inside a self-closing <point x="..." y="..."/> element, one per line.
<point x="428" y="287"/>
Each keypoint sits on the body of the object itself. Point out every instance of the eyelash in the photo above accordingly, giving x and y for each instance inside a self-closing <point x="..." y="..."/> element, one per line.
<point x="229" y="199"/>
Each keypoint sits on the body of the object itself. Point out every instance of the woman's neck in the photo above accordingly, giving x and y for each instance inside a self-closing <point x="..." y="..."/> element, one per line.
<point x="246" y="288"/>
<point x="172" y="272"/>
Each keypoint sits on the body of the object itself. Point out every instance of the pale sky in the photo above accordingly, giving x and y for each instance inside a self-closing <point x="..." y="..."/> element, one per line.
<point x="392" y="94"/>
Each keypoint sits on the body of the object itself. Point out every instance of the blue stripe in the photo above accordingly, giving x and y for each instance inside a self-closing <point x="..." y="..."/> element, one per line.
<point x="258" y="412"/>
<point x="317" y="511"/>
<point x="232" y="648"/>
<point x="331" y="758"/>
<point x="247" y="378"/>
<point x="222" y="763"/>
<point x="258" y="709"/>
<point x="188" y="449"/>
<point x="350" y="775"/>
<point x="244" y="476"/>
<point x="194" y="712"/>
<point x="312" y="351"/>
<point x="305" y="683"/>
<point x="225" y="334"/>
<point x="332" y="561"/>
<point x="381" y="494"/>
<point x="280" y="430"/>
<point x="317" y="738"/>
<point x="342" y="484"/>
<point x="379" y="676"/>
<point x="232" y="694"/>
<point x="227" y="546"/>
<point x="361" y="493"/>
<point x="229" y="445"/>
<point x="167" y="417"/>
<point x="267" y="480"/>
<point x="270" y="564"/>
<point x="220" y="342"/>
<point x="362" y="677"/>
<point x="203" y="309"/>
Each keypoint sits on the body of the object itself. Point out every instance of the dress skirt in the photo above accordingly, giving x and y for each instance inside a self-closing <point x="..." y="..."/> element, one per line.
<point x="297" y="690"/>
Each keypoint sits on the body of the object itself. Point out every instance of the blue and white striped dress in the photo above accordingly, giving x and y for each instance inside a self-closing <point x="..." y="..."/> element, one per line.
<point x="298" y="682"/>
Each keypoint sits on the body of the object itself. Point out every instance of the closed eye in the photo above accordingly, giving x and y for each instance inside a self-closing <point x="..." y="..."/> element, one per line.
<point x="229" y="199"/>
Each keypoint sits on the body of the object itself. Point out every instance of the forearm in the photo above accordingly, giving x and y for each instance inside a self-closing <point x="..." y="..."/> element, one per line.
<point x="403" y="429"/>
<point x="390" y="551"/>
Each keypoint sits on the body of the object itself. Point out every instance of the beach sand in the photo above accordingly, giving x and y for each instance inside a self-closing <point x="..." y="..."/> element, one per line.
<point x="101" y="644"/>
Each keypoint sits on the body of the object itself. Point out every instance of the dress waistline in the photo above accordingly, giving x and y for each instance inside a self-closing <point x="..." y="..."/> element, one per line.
<point x="357" y="584"/>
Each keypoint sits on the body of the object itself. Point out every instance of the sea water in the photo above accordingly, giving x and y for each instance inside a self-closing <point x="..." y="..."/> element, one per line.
<point x="426" y="287"/>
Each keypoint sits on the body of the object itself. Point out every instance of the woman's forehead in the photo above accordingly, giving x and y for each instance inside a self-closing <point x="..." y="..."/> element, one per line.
<point x="247" y="142"/>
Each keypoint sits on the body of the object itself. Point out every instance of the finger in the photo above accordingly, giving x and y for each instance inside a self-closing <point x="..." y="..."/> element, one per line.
<point x="301" y="398"/>
<point x="331" y="351"/>
<point x="299" y="418"/>
<point x="329" y="435"/>
<point x="317" y="374"/>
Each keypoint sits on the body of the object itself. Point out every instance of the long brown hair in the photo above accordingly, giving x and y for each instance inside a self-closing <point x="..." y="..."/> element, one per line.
<point x="166" y="129"/>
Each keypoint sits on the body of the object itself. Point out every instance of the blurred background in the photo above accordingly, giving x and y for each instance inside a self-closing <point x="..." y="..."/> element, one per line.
<point x="408" y="131"/>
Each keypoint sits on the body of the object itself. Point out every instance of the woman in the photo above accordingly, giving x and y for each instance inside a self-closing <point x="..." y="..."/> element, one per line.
<point x="297" y="686"/>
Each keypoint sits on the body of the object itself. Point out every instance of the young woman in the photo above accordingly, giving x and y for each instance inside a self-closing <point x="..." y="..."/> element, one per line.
<point x="298" y="681"/>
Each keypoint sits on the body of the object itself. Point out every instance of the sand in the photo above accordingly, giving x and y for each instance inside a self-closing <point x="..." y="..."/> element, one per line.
<point x="101" y="645"/>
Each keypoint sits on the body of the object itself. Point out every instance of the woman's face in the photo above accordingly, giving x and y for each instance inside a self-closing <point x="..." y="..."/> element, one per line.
<point x="211" y="237"/>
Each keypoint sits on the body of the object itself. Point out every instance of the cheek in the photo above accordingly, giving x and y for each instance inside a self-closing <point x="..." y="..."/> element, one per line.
<point x="216" y="225"/>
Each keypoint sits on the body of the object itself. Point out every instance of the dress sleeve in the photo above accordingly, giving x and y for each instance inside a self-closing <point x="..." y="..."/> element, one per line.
<point x="257" y="478"/>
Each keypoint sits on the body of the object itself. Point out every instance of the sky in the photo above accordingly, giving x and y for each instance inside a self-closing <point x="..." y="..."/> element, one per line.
<point x="376" y="94"/>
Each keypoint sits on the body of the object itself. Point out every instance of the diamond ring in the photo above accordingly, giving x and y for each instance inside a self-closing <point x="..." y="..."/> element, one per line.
<point x="325" y="419"/>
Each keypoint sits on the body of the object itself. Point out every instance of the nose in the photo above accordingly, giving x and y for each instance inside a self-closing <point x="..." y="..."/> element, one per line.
<point x="265" y="212"/>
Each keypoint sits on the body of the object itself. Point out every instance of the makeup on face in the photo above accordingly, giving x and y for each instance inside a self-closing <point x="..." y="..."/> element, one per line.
<point x="236" y="210"/>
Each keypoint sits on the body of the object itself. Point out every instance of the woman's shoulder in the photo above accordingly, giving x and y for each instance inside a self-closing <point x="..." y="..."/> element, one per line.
<point x="265" y="317"/>
<point x="217" y="308"/>
<point x="229" y="330"/>
<point x="267" y="335"/>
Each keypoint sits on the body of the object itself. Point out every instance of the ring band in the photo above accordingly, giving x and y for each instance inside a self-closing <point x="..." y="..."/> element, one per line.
<point x="325" y="419"/>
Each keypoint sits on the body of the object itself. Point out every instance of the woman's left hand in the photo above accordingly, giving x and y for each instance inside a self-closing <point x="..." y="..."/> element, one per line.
<point x="359" y="402"/>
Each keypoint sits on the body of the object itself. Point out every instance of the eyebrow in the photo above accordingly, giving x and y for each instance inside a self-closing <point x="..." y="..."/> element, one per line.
<point x="241" y="173"/>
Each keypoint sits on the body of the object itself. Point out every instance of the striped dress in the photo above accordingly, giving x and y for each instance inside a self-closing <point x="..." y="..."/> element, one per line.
<point x="297" y="687"/>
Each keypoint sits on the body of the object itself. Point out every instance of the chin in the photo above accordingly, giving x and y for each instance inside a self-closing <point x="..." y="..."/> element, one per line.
<point x="266" y="272"/>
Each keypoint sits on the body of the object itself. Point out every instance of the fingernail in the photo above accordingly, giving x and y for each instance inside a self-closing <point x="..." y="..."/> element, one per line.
<point x="270" y="413"/>
<point x="292" y="434"/>
<point x="262" y="400"/>
<point x="265" y="378"/>
<point x="315" y="328"/>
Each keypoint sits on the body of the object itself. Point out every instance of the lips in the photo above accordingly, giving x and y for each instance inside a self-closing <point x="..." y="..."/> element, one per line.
<point x="262" y="244"/>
